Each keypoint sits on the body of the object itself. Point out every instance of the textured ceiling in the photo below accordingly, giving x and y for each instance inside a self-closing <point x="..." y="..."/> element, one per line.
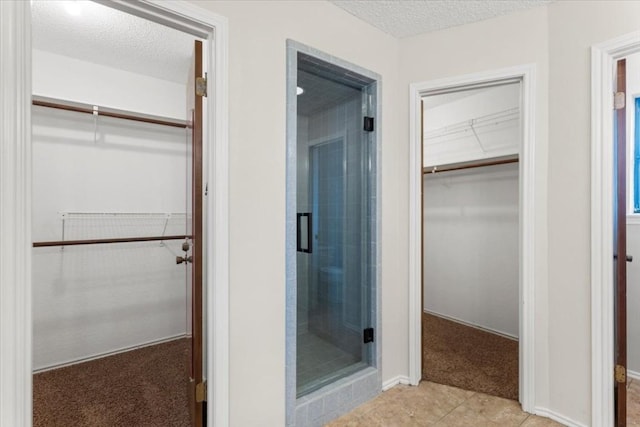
<point x="403" y="18"/>
<point x="106" y="36"/>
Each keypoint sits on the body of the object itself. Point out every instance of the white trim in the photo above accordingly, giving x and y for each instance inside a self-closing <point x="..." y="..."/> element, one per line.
<point x="527" y="220"/>
<point x="392" y="382"/>
<point x="15" y="214"/>
<point x="108" y="353"/>
<point x="472" y="325"/>
<point x="633" y="219"/>
<point x="544" y="412"/>
<point x="602" y="308"/>
<point x="15" y="192"/>
<point x="633" y="375"/>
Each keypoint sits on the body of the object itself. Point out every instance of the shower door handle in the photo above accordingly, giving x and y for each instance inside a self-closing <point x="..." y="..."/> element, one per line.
<point x="308" y="248"/>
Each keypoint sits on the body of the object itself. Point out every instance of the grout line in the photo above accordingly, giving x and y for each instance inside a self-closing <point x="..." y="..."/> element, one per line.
<point x="459" y="405"/>
<point x="525" y="420"/>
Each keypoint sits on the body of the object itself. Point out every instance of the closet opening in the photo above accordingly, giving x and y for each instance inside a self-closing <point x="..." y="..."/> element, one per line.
<point x="118" y="220"/>
<point x="471" y="142"/>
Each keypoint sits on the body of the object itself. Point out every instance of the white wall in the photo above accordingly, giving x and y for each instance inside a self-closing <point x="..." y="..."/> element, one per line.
<point x="59" y="76"/>
<point x="92" y="300"/>
<point x="573" y="28"/>
<point x="257" y="70"/>
<point x="633" y="225"/>
<point x="471" y="246"/>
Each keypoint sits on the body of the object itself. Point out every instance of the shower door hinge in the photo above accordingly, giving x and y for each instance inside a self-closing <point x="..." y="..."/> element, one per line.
<point x="621" y="374"/>
<point x="201" y="392"/>
<point x="201" y="85"/>
<point x="368" y="335"/>
<point x="368" y="124"/>
<point x="618" y="100"/>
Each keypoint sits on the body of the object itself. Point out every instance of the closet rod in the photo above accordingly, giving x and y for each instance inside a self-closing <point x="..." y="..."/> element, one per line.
<point x="100" y="241"/>
<point x="104" y="111"/>
<point x="435" y="169"/>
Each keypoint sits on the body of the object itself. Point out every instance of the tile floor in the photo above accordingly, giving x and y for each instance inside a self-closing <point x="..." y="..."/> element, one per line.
<point x="439" y="405"/>
<point x="633" y="403"/>
<point x="318" y="361"/>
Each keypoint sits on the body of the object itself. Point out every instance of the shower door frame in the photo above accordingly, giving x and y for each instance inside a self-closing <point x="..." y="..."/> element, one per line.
<point x="365" y="384"/>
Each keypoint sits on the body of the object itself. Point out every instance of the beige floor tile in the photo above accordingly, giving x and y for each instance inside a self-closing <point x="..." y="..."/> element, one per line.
<point x="463" y="416"/>
<point x="347" y="421"/>
<point x="432" y="404"/>
<point x="392" y="413"/>
<point x="633" y="404"/>
<point x="535" y="421"/>
<point x="504" y="412"/>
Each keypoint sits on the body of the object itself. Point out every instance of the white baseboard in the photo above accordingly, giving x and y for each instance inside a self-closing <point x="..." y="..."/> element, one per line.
<point x="544" y="412"/>
<point x="107" y="354"/>
<point x="400" y="379"/>
<point x="472" y="325"/>
<point x="633" y="375"/>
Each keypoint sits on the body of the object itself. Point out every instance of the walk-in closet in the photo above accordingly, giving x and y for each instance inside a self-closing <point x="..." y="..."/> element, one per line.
<point x="470" y="236"/>
<point x="117" y="219"/>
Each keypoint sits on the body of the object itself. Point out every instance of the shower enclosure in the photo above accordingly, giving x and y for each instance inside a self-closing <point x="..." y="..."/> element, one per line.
<point x="335" y="212"/>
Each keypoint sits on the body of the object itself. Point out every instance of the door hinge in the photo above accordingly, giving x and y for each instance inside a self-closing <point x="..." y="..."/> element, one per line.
<point x="368" y="123"/>
<point x="618" y="100"/>
<point x="621" y="374"/>
<point x="201" y="392"/>
<point x="201" y="85"/>
<point x="368" y="335"/>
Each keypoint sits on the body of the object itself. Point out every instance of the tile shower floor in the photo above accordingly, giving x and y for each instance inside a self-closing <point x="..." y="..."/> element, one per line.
<point x="319" y="362"/>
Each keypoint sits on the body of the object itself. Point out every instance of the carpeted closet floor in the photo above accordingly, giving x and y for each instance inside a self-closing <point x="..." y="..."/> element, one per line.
<point x="469" y="358"/>
<point x="144" y="387"/>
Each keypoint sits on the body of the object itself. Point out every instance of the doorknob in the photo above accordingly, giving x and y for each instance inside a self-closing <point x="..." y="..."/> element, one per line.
<point x="185" y="246"/>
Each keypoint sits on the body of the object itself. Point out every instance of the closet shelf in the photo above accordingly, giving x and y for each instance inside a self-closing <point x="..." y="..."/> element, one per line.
<point x="473" y="125"/>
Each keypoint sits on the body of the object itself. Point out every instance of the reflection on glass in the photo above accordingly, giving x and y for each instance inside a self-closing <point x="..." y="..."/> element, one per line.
<point x="335" y="190"/>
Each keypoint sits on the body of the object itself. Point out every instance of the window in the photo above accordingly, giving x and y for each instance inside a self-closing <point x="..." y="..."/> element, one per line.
<point x="636" y="156"/>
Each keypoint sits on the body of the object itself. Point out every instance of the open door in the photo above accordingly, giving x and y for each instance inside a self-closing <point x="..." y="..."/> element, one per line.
<point x="620" y="246"/>
<point x="196" y="87"/>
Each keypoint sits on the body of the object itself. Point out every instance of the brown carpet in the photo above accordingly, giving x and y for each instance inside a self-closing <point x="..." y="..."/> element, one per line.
<point x="144" y="387"/>
<point x="469" y="358"/>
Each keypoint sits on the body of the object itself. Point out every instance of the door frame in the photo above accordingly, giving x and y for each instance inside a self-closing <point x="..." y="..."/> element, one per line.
<point x="603" y="57"/>
<point x="15" y="193"/>
<point x="527" y="235"/>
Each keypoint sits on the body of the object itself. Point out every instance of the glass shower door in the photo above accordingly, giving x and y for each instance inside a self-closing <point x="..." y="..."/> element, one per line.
<point x="334" y="247"/>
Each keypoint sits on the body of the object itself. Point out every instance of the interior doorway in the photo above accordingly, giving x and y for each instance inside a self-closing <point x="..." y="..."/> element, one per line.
<point x="626" y="240"/>
<point x="525" y="75"/>
<point x="118" y="222"/>
<point x="16" y="26"/>
<point x="614" y="231"/>
<point x="470" y="233"/>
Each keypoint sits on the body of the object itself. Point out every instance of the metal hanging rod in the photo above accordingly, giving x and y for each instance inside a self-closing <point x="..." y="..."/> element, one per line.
<point x="436" y="169"/>
<point x="103" y="241"/>
<point x="77" y="107"/>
